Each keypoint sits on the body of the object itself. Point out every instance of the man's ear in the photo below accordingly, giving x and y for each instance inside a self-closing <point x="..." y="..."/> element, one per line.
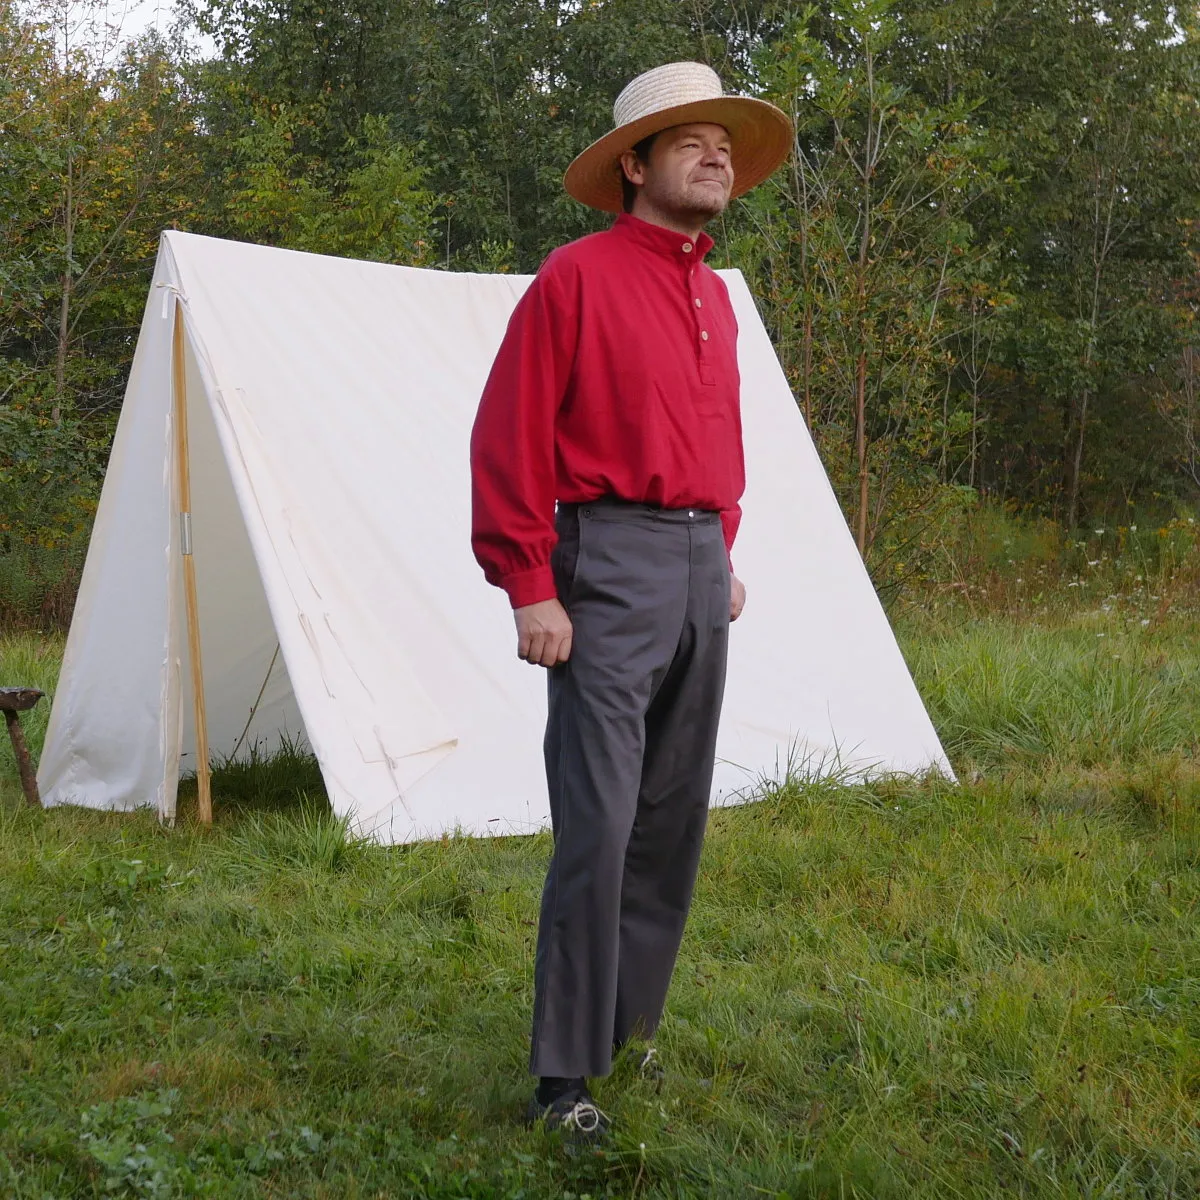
<point x="633" y="167"/>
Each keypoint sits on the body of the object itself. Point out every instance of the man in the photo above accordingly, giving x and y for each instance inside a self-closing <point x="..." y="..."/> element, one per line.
<point x="607" y="468"/>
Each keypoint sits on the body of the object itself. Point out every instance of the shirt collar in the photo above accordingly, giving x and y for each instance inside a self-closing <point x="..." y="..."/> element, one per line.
<point x="665" y="241"/>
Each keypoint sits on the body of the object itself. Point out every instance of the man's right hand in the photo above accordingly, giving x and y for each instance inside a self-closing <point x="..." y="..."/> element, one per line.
<point x="543" y="633"/>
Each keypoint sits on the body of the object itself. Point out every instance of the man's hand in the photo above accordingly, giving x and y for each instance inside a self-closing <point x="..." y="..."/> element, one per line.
<point x="543" y="633"/>
<point x="737" y="597"/>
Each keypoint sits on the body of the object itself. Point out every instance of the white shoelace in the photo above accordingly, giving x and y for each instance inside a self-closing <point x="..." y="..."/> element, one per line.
<point x="585" y="1117"/>
<point x="649" y="1061"/>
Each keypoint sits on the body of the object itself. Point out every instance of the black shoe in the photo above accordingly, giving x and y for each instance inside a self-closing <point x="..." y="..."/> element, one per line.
<point x="574" y="1113"/>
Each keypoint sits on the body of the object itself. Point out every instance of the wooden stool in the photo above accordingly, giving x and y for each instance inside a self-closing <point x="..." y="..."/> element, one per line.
<point x="12" y="702"/>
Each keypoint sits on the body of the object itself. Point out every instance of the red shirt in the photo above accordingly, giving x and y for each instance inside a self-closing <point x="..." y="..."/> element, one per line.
<point x="617" y="376"/>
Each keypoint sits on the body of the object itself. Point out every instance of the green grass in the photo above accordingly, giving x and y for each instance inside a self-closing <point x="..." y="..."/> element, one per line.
<point x="903" y="990"/>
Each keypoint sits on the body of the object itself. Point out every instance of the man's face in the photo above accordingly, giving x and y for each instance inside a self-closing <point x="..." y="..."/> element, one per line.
<point x="689" y="175"/>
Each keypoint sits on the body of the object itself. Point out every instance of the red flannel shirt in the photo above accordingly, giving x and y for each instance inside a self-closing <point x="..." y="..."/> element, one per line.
<point x="617" y="376"/>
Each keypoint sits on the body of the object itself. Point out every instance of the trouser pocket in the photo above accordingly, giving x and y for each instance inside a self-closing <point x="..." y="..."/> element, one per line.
<point x="565" y="557"/>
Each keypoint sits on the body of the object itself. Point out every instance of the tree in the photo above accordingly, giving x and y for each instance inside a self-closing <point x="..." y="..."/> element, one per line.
<point x="99" y="157"/>
<point x="1092" y="108"/>
<point x="499" y="94"/>
<point x="270" y="192"/>
<point x="102" y="159"/>
<point x="859" y="246"/>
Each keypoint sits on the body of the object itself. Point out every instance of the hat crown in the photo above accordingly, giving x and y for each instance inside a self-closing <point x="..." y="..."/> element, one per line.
<point x="665" y="87"/>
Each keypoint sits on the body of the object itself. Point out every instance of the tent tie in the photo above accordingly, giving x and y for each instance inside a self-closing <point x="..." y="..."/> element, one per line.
<point x="167" y="290"/>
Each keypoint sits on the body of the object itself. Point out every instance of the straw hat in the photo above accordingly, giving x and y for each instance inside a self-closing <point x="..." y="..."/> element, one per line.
<point x="680" y="94"/>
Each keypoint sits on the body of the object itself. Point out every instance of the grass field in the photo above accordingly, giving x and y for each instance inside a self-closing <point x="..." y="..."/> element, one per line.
<point x="904" y="990"/>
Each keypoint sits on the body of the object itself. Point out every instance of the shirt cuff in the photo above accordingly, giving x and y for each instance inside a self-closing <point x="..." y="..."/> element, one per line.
<point x="530" y="587"/>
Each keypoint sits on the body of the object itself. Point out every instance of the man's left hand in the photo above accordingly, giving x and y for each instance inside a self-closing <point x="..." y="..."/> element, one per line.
<point x="737" y="597"/>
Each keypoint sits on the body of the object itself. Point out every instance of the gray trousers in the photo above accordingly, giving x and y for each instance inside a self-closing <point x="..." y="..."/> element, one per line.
<point x="630" y="743"/>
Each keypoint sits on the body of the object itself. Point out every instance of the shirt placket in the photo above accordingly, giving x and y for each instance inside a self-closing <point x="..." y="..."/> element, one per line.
<point x="703" y="339"/>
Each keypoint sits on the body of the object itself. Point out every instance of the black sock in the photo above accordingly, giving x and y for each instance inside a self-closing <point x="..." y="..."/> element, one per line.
<point x="551" y="1087"/>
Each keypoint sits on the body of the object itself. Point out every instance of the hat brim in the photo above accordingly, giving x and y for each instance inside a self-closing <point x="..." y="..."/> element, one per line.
<point x="761" y="137"/>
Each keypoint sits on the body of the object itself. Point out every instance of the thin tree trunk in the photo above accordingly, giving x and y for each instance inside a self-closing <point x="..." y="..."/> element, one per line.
<point x="944" y="465"/>
<point x="1077" y="462"/>
<point x="860" y="446"/>
<point x="64" y="307"/>
<point x="60" y="358"/>
<point x="800" y="183"/>
<point x="860" y="379"/>
<point x="806" y="378"/>
<point x="1189" y="393"/>
<point x="1081" y="427"/>
<point x="1102" y="241"/>
<point x="974" y="390"/>
<point x="974" y="434"/>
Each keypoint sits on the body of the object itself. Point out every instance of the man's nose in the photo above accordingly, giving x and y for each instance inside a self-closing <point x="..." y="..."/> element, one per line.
<point x="716" y="156"/>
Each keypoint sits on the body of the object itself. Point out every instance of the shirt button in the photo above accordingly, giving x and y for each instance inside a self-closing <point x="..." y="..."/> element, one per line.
<point x="687" y="247"/>
<point x="704" y="335"/>
<point x="699" y="302"/>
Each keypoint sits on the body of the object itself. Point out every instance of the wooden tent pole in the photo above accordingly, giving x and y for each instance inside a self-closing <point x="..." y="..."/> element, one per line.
<point x="203" y="783"/>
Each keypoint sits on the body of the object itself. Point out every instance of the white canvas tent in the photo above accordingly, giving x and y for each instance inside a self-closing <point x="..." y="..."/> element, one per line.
<point x="328" y="409"/>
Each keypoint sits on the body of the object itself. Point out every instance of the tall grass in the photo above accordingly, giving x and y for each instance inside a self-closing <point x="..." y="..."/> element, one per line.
<point x="991" y="562"/>
<point x="27" y="660"/>
<point x="1003" y="695"/>
<point x="905" y="989"/>
<point x="941" y="992"/>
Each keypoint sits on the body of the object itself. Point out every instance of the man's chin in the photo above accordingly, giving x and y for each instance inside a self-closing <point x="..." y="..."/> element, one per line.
<point x="705" y="207"/>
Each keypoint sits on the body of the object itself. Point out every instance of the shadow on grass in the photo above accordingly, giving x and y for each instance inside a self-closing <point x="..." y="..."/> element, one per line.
<point x="285" y="781"/>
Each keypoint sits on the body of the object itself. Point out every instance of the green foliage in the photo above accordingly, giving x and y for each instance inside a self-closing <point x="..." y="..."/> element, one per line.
<point x="978" y="268"/>
<point x="378" y="209"/>
<point x="1086" y="112"/>
<point x="980" y="259"/>
<point x="988" y="560"/>
<point x="49" y="485"/>
<point x="500" y="95"/>
<point x="98" y="159"/>
<point x="129" y="1141"/>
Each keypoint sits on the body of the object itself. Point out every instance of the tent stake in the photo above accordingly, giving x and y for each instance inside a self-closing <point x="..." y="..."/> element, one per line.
<point x="203" y="784"/>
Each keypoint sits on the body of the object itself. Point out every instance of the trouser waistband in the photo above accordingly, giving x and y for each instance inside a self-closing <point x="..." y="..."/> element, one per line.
<point x="615" y="508"/>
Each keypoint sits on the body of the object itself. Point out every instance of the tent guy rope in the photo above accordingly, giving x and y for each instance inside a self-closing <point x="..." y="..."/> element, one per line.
<point x="257" y="701"/>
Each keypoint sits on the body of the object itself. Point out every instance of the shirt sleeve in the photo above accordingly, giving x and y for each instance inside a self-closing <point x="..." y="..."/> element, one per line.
<point x="731" y="518"/>
<point x="513" y="477"/>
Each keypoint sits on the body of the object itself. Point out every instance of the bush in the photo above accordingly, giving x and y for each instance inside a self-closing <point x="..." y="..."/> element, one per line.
<point x="38" y="585"/>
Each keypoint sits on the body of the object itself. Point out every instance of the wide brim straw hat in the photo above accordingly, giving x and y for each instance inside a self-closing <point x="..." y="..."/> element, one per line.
<point x="681" y="93"/>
